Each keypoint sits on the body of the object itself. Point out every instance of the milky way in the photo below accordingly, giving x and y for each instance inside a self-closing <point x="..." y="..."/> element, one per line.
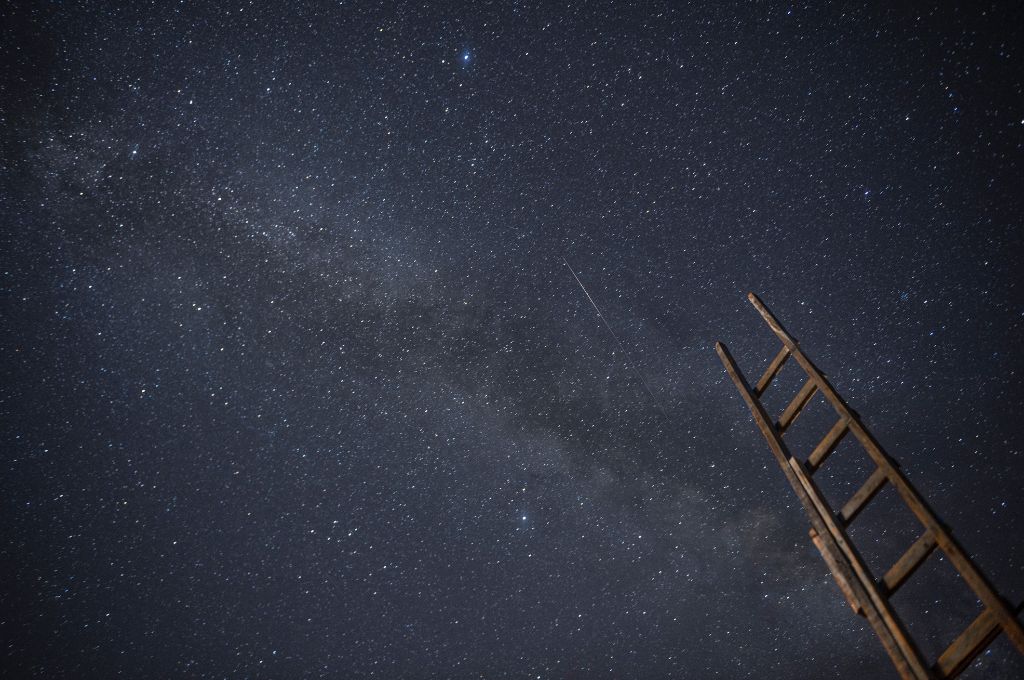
<point x="296" y="383"/>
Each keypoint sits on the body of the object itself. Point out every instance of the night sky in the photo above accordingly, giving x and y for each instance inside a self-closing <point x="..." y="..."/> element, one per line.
<point x="296" y="383"/>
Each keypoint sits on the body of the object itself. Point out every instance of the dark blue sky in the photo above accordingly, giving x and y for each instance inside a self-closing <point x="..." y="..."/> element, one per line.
<point x="296" y="383"/>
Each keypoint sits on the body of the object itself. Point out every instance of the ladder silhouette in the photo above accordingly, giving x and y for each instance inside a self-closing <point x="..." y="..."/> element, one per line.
<point x="867" y="595"/>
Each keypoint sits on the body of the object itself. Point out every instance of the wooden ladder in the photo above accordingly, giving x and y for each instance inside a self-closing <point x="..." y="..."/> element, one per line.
<point x="867" y="595"/>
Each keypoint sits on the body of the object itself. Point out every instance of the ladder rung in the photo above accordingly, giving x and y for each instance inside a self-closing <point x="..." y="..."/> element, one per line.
<point x="908" y="563"/>
<point x="968" y="645"/>
<point x="863" y="496"/>
<point x="827" y="445"/>
<point x="797" y="405"/>
<point x="773" y="370"/>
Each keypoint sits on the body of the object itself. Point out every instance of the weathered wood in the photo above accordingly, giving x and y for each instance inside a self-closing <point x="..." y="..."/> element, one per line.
<point x="913" y="500"/>
<point x="904" y="655"/>
<point x="975" y="638"/>
<point x="908" y="563"/>
<point x="832" y="560"/>
<point x="863" y="496"/>
<point x="827" y="445"/>
<point x="796" y="406"/>
<point x="773" y="370"/>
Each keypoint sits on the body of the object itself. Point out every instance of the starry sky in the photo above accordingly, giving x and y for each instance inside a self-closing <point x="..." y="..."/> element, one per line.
<point x="297" y="383"/>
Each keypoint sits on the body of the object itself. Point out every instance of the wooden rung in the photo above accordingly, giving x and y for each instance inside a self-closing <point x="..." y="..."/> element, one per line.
<point x="975" y="638"/>
<point x="827" y="445"/>
<point x="863" y="496"/>
<point x="837" y="574"/>
<point x="773" y="370"/>
<point x="797" y="405"/>
<point x="908" y="563"/>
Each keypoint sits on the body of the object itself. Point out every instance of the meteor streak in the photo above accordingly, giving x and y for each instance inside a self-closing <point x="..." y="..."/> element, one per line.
<point x="607" y="325"/>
